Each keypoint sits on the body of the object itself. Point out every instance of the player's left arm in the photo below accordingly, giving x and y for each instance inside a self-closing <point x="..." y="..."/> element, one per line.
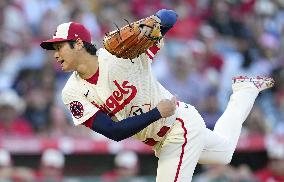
<point x="168" y="19"/>
<point x="133" y="40"/>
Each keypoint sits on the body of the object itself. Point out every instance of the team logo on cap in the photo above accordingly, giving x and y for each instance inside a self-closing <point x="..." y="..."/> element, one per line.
<point x="76" y="109"/>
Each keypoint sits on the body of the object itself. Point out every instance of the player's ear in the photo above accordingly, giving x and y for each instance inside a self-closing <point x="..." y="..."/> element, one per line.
<point x="79" y="44"/>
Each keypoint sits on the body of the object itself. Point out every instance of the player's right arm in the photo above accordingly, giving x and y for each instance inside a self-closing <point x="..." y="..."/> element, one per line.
<point x="117" y="131"/>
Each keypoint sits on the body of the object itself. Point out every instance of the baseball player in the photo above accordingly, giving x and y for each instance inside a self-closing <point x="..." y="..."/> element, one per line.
<point x="120" y="98"/>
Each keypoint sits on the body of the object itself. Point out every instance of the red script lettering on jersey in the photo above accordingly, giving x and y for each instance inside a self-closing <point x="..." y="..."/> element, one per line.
<point x="119" y="98"/>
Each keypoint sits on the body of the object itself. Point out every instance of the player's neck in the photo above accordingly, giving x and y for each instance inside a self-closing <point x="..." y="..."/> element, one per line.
<point x="88" y="66"/>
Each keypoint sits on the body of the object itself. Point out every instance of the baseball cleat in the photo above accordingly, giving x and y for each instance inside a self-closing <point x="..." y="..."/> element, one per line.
<point x="260" y="82"/>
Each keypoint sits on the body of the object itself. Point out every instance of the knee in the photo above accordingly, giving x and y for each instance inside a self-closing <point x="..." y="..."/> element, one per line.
<point x="223" y="159"/>
<point x="226" y="159"/>
<point x="219" y="160"/>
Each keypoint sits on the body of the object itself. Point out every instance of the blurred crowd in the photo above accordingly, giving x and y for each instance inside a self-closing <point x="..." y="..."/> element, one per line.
<point x="212" y="41"/>
<point x="50" y="168"/>
<point x="126" y="167"/>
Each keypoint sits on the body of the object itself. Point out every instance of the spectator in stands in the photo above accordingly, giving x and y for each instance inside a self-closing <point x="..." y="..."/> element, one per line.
<point x="126" y="167"/>
<point x="210" y="110"/>
<point x="23" y="174"/>
<point x="51" y="166"/>
<point x="272" y="103"/>
<point x="6" y="169"/>
<point x="144" y="8"/>
<point x="214" y="173"/>
<point x="11" y="121"/>
<point x="38" y="106"/>
<point x="256" y="123"/>
<point x="209" y="37"/>
<point x="274" y="171"/>
<point x="11" y="173"/>
<point x="268" y="57"/>
<point x="221" y="18"/>
<point x="187" y="18"/>
<point x="60" y="126"/>
<point x="183" y="77"/>
<point x="178" y="79"/>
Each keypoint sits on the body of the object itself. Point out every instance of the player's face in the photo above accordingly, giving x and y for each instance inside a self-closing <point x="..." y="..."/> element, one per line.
<point x="65" y="56"/>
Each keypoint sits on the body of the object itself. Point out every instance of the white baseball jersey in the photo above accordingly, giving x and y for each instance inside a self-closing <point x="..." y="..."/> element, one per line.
<point x="124" y="88"/>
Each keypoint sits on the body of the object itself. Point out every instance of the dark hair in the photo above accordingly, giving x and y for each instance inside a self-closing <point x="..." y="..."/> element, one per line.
<point x="90" y="48"/>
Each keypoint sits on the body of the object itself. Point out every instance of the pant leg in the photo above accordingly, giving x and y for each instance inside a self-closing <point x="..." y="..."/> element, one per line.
<point x="217" y="149"/>
<point x="221" y="143"/>
<point x="182" y="148"/>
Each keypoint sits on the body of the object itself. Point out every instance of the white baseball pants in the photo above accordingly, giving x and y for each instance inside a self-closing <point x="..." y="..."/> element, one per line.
<point x="190" y="142"/>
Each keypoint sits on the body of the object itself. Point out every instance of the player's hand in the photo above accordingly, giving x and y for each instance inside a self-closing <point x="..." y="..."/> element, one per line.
<point x="167" y="107"/>
<point x="153" y="31"/>
<point x="144" y="30"/>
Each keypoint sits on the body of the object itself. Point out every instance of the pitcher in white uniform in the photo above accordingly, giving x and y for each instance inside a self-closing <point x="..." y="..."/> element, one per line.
<point x="118" y="98"/>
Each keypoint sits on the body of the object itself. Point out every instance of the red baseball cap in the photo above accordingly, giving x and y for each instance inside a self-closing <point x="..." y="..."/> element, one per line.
<point x="68" y="31"/>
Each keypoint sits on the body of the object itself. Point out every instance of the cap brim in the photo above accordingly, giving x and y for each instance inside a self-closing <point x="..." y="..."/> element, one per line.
<point x="48" y="44"/>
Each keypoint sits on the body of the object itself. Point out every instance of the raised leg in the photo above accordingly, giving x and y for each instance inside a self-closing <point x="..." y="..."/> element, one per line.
<point x="220" y="143"/>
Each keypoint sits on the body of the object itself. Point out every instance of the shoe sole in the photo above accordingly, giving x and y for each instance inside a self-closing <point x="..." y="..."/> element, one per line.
<point x="257" y="81"/>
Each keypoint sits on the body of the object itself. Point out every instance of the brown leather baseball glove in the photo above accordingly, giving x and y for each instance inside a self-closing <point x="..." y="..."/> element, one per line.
<point x="133" y="39"/>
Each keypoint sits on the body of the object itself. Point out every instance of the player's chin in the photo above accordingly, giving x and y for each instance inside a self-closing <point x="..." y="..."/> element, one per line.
<point x="66" y="69"/>
<point x="63" y="69"/>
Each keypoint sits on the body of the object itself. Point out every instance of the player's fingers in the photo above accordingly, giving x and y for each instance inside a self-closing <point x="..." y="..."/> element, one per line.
<point x="144" y="31"/>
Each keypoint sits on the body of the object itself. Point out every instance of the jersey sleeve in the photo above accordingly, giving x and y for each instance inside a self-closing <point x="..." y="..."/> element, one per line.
<point x="154" y="49"/>
<point x="79" y="106"/>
